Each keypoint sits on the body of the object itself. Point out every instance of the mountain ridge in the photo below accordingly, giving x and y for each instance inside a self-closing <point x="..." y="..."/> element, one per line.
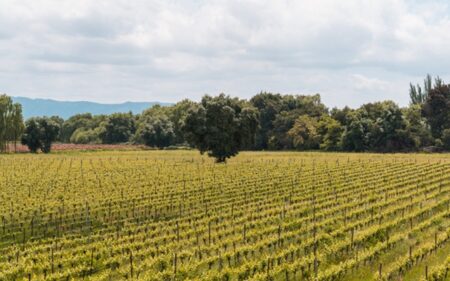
<point x="33" y="107"/>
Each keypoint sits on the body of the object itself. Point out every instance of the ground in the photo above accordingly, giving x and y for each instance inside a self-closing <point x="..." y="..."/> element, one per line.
<point x="165" y="215"/>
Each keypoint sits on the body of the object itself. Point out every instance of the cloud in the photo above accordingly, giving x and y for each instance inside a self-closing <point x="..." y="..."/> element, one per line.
<point x="351" y="51"/>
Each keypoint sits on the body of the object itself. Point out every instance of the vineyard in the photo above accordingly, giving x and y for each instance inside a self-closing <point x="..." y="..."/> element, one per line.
<point x="175" y="215"/>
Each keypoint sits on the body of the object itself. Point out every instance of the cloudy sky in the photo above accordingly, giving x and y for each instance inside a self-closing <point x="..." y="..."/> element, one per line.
<point x="351" y="51"/>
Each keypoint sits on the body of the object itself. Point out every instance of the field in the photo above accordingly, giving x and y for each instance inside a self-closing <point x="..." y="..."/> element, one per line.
<point x="175" y="215"/>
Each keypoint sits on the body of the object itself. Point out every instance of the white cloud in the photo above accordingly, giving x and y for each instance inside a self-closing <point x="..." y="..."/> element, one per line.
<point x="350" y="51"/>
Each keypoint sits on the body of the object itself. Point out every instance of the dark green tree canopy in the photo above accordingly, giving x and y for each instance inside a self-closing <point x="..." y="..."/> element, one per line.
<point x="11" y="122"/>
<point x="40" y="133"/>
<point x="32" y="135"/>
<point x="118" y="128"/>
<point x="156" y="131"/>
<point x="436" y="109"/>
<point x="221" y="126"/>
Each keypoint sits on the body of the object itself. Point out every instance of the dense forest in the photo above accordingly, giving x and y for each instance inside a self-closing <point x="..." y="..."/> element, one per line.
<point x="267" y="121"/>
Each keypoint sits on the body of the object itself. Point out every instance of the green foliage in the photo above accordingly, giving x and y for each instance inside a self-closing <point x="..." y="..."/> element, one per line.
<point x="86" y="136"/>
<point x="304" y="133"/>
<point x="355" y="135"/>
<point x="81" y="122"/>
<point x="278" y="136"/>
<point x="118" y="128"/>
<point x="436" y="109"/>
<point x="269" y="106"/>
<point x="331" y="132"/>
<point x="39" y="133"/>
<point x="446" y="139"/>
<point x="416" y="94"/>
<point x="216" y="126"/>
<point x="32" y="135"/>
<point x="49" y="133"/>
<point x="177" y="114"/>
<point x="378" y="127"/>
<point x="223" y="125"/>
<point x="156" y="131"/>
<point x="11" y="122"/>
<point x="417" y="126"/>
<point x="389" y="132"/>
<point x="248" y="123"/>
<point x="277" y="115"/>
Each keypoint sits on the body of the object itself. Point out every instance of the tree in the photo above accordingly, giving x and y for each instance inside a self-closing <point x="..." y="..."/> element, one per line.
<point x="417" y="125"/>
<point x="60" y="122"/>
<point x="355" y="135"/>
<point x="419" y="96"/>
<point x="156" y="131"/>
<point x="85" y="136"/>
<point x="73" y="123"/>
<point x="86" y="123"/>
<point x="304" y="133"/>
<point x="310" y="105"/>
<point x="342" y="115"/>
<point x="416" y="94"/>
<point x="177" y="114"/>
<point x="249" y="125"/>
<point x="269" y="106"/>
<point x="118" y="128"/>
<point x="17" y="124"/>
<point x="220" y="126"/>
<point x="11" y="122"/>
<point x="40" y="133"/>
<point x="378" y="126"/>
<point x="446" y="139"/>
<point x="32" y="135"/>
<point x="278" y="136"/>
<point x="278" y="113"/>
<point x="49" y="131"/>
<point x="436" y="109"/>
<point x="330" y="131"/>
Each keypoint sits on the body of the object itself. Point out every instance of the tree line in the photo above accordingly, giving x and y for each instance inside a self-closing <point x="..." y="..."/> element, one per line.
<point x="222" y="125"/>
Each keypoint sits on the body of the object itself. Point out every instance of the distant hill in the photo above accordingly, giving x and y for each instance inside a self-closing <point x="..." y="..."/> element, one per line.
<point x="65" y="109"/>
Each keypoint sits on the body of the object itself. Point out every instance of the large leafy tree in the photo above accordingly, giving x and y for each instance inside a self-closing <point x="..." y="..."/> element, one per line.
<point x="49" y="130"/>
<point x="355" y="135"/>
<point x="82" y="128"/>
<point x="11" y="122"/>
<point x="390" y="129"/>
<point x="417" y="125"/>
<point x="330" y="131"/>
<point x="277" y="114"/>
<point x="156" y="131"/>
<point x="32" y="135"/>
<point x="417" y="94"/>
<point x="17" y="126"/>
<point x="269" y="106"/>
<point x="377" y="126"/>
<point x="84" y="135"/>
<point x="40" y="133"/>
<point x="118" y="128"/>
<point x="221" y="126"/>
<point x="304" y="133"/>
<point x="177" y="114"/>
<point x="278" y="136"/>
<point x="436" y="109"/>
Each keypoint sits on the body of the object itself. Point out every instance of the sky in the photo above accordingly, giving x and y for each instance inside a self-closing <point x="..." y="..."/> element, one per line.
<point x="351" y="52"/>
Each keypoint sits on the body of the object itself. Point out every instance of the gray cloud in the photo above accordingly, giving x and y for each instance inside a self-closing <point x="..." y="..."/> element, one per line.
<point x="349" y="51"/>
